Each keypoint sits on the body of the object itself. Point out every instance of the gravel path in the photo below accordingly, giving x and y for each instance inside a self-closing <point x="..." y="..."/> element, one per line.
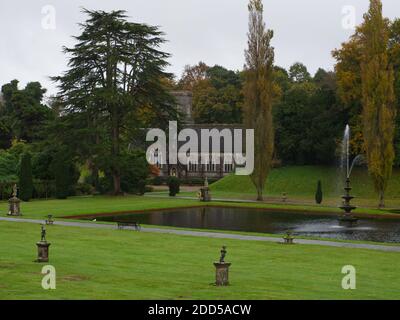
<point x="215" y="235"/>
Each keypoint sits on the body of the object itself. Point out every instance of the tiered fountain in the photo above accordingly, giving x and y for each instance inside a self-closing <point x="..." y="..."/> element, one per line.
<point x="348" y="217"/>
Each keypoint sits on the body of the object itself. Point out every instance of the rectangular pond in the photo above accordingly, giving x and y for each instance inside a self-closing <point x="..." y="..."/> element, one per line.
<point x="262" y="221"/>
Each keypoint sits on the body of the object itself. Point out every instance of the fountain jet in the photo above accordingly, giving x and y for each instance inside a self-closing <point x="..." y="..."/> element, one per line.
<point x="347" y="207"/>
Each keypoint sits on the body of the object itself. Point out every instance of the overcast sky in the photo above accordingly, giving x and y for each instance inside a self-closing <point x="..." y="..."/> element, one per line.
<point x="213" y="31"/>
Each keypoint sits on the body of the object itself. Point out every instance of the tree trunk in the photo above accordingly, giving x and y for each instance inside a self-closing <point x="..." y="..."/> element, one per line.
<point x="260" y="194"/>
<point x="117" y="183"/>
<point x="95" y="177"/>
<point x="116" y="172"/>
<point x="381" y="200"/>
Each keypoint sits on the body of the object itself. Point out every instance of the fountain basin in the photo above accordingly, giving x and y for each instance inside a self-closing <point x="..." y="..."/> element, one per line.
<point x="266" y="221"/>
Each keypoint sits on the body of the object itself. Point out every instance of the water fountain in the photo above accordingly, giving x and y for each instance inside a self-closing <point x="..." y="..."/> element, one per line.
<point x="348" y="217"/>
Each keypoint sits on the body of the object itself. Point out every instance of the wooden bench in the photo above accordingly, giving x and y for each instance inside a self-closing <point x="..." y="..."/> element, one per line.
<point x="123" y="225"/>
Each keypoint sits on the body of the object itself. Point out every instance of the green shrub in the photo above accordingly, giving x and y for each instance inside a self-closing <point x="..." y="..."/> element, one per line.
<point x="141" y="185"/>
<point x="61" y="173"/>
<point x="83" y="189"/>
<point x="25" y="178"/>
<point x="43" y="189"/>
<point x="105" y="185"/>
<point x="318" y="194"/>
<point x="6" y="189"/>
<point x="158" y="181"/>
<point x="174" y="185"/>
<point x="134" y="170"/>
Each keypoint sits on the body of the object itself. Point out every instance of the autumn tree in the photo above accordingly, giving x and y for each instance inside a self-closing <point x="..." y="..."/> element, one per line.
<point x="349" y="88"/>
<point x="258" y="94"/>
<point x="377" y="78"/>
<point x="192" y="75"/>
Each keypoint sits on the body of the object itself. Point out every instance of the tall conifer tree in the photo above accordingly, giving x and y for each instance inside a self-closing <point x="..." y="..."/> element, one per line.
<point x="378" y="98"/>
<point x="25" y="178"/>
<point x="258" y="93"/>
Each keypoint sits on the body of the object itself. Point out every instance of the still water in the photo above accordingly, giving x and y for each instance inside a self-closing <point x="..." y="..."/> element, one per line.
<point x="251" y="220"/>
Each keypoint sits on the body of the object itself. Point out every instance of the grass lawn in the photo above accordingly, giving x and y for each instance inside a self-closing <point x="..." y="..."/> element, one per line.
<point x="111" y="264"/>
<point x="39" y="209"/>
<point x="300" y="183"/>
<point x="91" y="205"/>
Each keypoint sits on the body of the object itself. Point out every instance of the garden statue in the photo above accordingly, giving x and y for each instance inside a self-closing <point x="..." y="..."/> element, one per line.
<point x="14" y="203"/>
<point x="222" y="270"/>
<point x="43" y="247"/>
<point x="43" y="234"/>
<point x="205" y="194"/>
<point x="223" y="255"/>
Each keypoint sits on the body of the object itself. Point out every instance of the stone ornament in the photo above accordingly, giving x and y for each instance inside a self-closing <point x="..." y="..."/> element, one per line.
<point x="14" y="203"/>
<point x="222" y="270"/>
<point x="43" y="247"/>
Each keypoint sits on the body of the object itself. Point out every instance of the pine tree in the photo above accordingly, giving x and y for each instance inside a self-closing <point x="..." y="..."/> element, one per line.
<point x="378" y="98"/>
<point x="25" y="178"/>
<point x="115" y="69"/>
<point x="258" y="93"/>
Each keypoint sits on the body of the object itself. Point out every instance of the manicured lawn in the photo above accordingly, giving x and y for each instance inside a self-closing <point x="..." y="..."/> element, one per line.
<point x="111" y="264"/>
<point x="74" y="206"/>
<point x="300" y="183"/>
<point x="91" y="205"/>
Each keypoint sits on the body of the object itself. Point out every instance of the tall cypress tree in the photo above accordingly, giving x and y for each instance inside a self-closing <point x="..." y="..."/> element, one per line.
<point x="378" y="98"/>
<point x="25" y="177"/>
<point x="318" y="194"/>
<point x="258" y="94"/>
<point x="62" y="175"/>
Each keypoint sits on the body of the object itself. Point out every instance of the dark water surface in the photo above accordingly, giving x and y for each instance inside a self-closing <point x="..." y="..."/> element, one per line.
<point x="251" y="220"/>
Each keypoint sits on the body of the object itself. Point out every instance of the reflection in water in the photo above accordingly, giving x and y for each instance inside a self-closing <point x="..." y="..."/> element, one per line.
<point x="250" y="220"/>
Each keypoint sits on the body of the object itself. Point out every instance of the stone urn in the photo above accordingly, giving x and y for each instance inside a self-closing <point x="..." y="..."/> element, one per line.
<point x="14" y="204"/>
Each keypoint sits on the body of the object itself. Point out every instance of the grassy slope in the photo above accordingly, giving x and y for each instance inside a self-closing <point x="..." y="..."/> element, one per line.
<point x="301" y="183"/>
<point x="111" y="264"/>
<point x="91" y="205"/>
<point x="39" y="209"/>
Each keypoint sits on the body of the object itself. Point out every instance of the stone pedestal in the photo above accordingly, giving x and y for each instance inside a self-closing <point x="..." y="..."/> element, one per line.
<point x="222" y="274"/>
<point x="14" y="207"/>
<point x="205" y="194"/>
<point x="43" y="251"/>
